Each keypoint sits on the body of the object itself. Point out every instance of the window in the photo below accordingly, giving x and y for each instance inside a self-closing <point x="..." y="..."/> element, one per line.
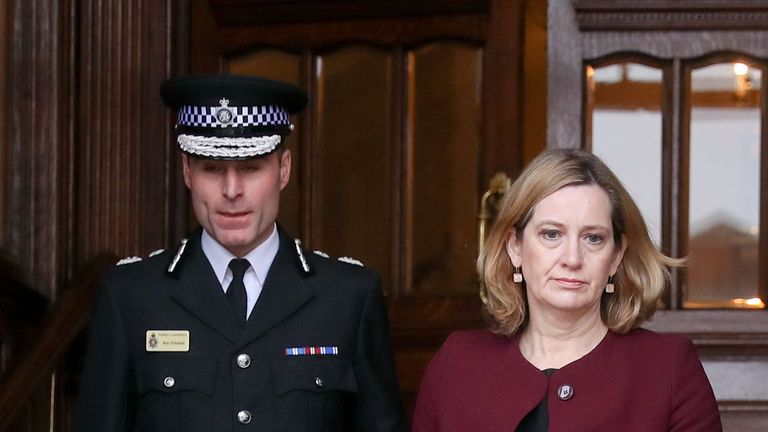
<point x="717" y="192"/>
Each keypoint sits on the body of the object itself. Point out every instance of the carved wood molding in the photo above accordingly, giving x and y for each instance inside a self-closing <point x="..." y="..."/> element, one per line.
<point x="744" y="406"/>
<point x="90" y="159"/>
<point x="601" y="15"/>
<point x="250" y="12"/>
<point x="125" y="153"/>
<point x="385" y="31"/>
<point x="37" y="140"/>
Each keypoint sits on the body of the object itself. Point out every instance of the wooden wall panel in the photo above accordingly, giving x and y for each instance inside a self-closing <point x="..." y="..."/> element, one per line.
<point x="37" y="137"/>
<point x="126" y="160"/>
<point x="91" y="166"/>
<point x="3" y="79"/>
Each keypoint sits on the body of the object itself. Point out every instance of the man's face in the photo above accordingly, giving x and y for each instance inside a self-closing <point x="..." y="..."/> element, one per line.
<point x="236" y="202"/>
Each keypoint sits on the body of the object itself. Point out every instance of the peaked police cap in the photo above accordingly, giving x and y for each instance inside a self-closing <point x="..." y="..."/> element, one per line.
<point x="231" y="116"/>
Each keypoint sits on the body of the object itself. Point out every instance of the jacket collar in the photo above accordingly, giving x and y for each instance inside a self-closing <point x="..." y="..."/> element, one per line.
<point x="199" y="292"/>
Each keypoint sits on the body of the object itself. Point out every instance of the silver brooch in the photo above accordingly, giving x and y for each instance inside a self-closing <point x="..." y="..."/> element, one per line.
<point x="565" y="392"/>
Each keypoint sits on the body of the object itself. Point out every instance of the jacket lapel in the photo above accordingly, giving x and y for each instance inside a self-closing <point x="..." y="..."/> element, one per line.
<point x="200" y="293"/>
<point x="283" y="293"/>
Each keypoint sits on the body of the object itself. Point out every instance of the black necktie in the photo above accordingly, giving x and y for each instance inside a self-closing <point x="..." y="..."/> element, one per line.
<point x="236" y="294"/>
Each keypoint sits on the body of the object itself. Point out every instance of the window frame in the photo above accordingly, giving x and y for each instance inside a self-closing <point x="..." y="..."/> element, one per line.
<point x="675" y="141"/>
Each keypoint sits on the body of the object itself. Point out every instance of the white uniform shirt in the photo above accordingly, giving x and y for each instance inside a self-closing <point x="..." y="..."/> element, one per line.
<point x="260" y="258"/>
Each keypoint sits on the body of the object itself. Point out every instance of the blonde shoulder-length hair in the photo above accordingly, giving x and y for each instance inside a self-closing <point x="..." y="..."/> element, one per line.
<point x="642" y="274"/>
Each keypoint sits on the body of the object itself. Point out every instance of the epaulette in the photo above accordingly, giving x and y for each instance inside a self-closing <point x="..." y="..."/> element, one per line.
<point x="133" y="259"/>
<point x="128" y="260"/>
<point x="348" y="260"/>
<point x="173" y="266"/>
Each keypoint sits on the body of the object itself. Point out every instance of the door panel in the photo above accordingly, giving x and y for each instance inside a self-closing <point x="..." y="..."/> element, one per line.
<point x="352" y="156"/>
<point x="443" y="163"/>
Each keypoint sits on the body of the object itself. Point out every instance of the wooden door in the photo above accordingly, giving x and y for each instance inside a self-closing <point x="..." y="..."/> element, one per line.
<point x="414" y="106"/>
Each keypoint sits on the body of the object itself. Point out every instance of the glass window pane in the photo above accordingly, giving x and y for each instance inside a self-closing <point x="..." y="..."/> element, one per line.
<point x="444" y="146"/>
<point x="352" y="161"/>
<point x="281" y="66"/>
<point x="724" y="206"/>
<point x="626" y="131"/>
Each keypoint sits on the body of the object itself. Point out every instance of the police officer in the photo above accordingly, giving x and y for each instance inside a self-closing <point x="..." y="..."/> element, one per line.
<point x="238" y="328"/>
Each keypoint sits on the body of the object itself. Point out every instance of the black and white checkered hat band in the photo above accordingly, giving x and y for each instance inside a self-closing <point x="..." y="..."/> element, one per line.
<point x="228" y="148"/>
<point x="226" y="116"/>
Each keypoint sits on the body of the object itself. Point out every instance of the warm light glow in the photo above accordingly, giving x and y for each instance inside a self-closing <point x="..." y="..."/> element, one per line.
<point x="754" y="230"/>
<point x="755" y="302"/>
<point x="740" y="69"/>
<point x="750" y="303"/>
<point x="590" y="72"/>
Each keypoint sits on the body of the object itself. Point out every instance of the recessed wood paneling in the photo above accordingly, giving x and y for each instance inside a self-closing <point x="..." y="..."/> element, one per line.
<point x="125" y="171"/>
<point x="88" y="166"/>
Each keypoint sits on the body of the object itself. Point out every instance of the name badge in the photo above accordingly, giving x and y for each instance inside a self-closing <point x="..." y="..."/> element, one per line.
<point x="168" y="340"/>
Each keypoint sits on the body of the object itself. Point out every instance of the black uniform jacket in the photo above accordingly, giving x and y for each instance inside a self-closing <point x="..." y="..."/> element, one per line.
<point x="307" y="301"/>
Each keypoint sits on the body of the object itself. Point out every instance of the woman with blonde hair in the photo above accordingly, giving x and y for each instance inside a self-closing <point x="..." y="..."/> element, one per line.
<point x="571" y="273"/>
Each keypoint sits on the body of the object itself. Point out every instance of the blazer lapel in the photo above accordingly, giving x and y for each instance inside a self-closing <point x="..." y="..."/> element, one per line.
<point x="283" y="293"/>
<point x="200" y="293"/>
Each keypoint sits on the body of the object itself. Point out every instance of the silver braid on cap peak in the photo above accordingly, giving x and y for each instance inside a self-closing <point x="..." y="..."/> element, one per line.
<point x="227" y="147"/>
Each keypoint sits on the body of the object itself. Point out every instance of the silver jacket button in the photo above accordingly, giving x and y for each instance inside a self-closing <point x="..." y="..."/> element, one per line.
<point x="243" y="361"/>
<point x="319" y="382"/>
<point x="169" y="382"/>
<point x="565" y="392"/>
<point x="244" y="416"/>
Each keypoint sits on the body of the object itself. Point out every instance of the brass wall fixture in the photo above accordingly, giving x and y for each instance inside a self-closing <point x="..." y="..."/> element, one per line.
<point x="489" y="208"/>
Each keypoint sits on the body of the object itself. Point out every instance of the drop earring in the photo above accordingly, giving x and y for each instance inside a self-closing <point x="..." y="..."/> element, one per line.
<point x="610" y="287"/>
<point x="517" y="277"/>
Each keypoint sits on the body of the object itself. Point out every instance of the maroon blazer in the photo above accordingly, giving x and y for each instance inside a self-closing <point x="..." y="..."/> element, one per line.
<point x="641" y="381"/>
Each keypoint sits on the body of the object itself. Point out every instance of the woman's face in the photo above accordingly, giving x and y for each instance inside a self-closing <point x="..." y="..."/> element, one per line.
<point x="567" y="251"/>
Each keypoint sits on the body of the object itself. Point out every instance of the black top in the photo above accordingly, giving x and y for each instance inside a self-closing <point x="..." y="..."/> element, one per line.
<point x="537" y="420"/>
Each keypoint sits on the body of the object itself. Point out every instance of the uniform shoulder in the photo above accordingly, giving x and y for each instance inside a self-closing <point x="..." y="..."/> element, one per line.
<point x="324" y="262"/>
<point x="133" y="259"/>
<point x="154" y="260"/>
